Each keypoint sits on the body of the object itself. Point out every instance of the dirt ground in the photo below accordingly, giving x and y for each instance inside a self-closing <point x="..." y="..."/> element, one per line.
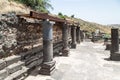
<point x="88" y="62"/>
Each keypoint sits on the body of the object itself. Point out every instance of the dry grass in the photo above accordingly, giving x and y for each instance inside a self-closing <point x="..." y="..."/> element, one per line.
<point x="6" y="6"/>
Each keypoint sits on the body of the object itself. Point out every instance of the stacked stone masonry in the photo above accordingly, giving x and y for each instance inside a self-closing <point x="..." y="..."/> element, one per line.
<point x="12" y="68"/>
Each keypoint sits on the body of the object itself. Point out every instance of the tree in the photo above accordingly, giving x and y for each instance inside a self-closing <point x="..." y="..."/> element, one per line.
<point x="61" y="15"/>
<point x="72" y="16"/>
<point x="38" y="5"/>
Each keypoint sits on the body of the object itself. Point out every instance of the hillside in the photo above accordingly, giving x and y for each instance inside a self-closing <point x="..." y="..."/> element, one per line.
<point x="6" y="6"/>
<point x="11" y="6"/>
<point x="114" y="25"/>
<point x="91" y="27"/>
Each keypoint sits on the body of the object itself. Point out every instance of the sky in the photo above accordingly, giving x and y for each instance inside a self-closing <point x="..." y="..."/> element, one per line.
<point x="99" y="11"/>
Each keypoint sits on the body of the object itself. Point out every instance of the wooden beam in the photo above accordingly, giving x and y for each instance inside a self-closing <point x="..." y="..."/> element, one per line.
<point x="43" y="16"/>
<point x="46" y="16"/>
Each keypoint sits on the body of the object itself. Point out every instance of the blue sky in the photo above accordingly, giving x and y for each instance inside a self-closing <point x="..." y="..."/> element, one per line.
<point x="99" y="11"/>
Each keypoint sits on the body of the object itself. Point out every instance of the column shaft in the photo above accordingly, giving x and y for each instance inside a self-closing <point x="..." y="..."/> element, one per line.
<point x="78" y="34"/>
<point x="73" y="35"/>
<point x="115" y="54"/>
<point x="65" y="40"/>
<point x="114" y="40"/>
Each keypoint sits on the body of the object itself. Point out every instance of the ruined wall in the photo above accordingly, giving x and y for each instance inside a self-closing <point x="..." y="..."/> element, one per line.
<point x="21" y="45"/>
<point x="18" y="35"/>
<point x="7" y="34"/>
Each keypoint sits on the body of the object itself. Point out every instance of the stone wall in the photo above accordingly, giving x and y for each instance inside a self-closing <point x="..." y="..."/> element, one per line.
<point x="18" y="35"/>
<point x="22" y="37"/>
<point x="7" y="34"/>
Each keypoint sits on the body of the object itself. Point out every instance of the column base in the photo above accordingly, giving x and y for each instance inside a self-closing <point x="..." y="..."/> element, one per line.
<point x="108" y="46"/>
<point x="47" y="68"/>
<point x="65" y="52"/>
<point x="73" y="46"/>
<point x="78" y="42"/>
<point x="115" y="56"/>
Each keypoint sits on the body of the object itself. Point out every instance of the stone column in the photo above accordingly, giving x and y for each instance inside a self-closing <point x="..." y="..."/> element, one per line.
<point x="115" y="54"/>
<point x="78" y="35"/>
<point x="65" y="40"/>
<point x="69" y="32"/>
<point x="81" y="35"/>
<point x="73" y="35"/>
<point x="69" y="39"/>
<point x="48" y="65"/>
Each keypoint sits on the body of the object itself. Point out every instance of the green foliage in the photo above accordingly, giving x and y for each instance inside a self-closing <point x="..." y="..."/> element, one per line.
<point x="38" y="5"/>
<point x="106" y="36"/>
<point x="61" y="15"/>
<point x="72" y="16"/>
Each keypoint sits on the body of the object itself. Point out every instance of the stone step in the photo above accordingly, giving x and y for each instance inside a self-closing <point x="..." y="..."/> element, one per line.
<point x="19" y="75"/>
<point x="15" y="67"/>
<point x="12" y="59"/>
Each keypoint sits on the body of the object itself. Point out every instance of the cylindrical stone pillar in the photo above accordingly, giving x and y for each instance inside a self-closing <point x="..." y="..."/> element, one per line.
<point x="65" y="40"/>
<point x="78" y="35"/>
<point x="114" y="40"/>
<point x="70" y="38"/>
<point x="73" y="35"/>
<point x="115" y="54"/>
<point x="81" y="35"/>
<point x="47" y="41"/>
<point x="48" y="65"/>
<point x="69" y="32"/>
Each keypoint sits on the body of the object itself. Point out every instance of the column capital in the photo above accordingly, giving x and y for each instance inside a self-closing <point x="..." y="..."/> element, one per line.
<point x="47" y="29"/>
<point x="48" y="22"/>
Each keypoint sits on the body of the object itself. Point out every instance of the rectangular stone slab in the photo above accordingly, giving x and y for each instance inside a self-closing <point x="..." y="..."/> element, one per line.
<point x="3" y="74"/>
<point x="15" y="67"/>
<point x="18" y="74"/>
<point x="12" y="59"/>
<point x="2" y="64"/>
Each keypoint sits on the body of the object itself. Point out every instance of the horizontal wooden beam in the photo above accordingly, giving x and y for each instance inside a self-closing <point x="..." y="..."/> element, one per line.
<point x="46" y="16"/>
<point x="43" y="16"/>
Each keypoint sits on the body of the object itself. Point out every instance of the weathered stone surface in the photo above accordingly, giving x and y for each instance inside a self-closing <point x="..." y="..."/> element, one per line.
<point x="2" y="64"/>
<point x="78" y="35"/>
<point x="7" y="33"/>
<point x="65" y="49"/>
<point x="39" y="62"/>
<point x="108" y="46"/>
<point x="15" y="67"/>
<point x="114" y="40"/>
<point x="47" y="68"/>
<point x="17" y="75"/>
<point x="65" y="52"/>
<point x="73" y="46"/>
<point x="32" y="64"/>
<point x="73" y="34"/>
<point x="30" y="60"/>
<point x="3" y="74"/>
<point x="115" y="56"/>
<point x="12" y="59"/>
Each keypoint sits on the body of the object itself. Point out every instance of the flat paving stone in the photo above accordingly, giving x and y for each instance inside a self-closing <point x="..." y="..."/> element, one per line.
<point x="89" y="61"/>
